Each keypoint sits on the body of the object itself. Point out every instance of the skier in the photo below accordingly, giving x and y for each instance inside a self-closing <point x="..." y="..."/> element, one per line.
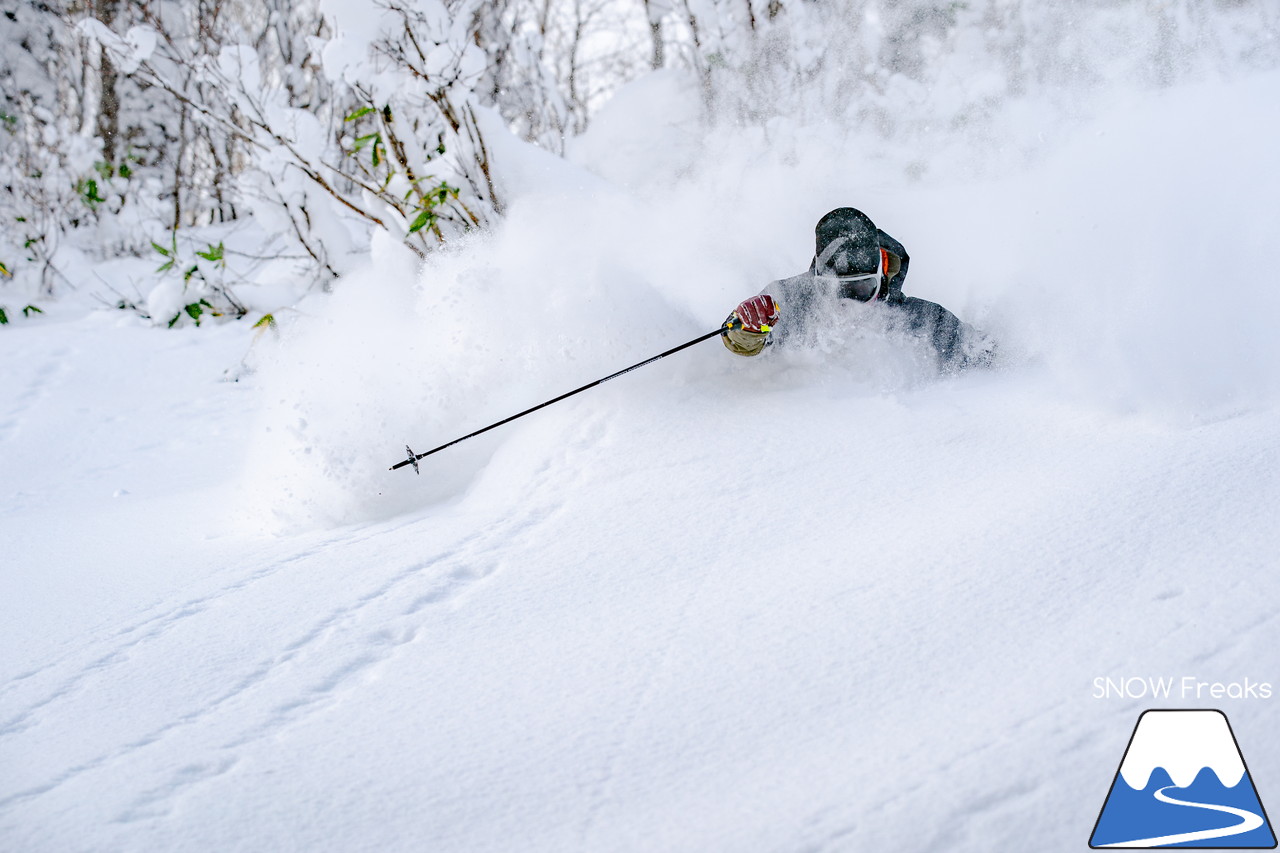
<point x="853" y="259"/>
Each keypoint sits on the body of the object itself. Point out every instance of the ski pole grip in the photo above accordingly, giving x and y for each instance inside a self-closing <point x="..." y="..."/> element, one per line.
<point x="735" y="324"/>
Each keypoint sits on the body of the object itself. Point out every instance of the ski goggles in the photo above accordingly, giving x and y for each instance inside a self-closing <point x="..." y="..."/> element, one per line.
<point x="863" y="288"/>
<point x="835" y="270"/>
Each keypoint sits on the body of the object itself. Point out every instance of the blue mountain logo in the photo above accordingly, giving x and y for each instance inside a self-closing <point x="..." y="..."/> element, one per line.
<point x="1183" y="783"/>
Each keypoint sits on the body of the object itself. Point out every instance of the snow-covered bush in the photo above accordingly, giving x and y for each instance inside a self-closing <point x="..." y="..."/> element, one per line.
<point x="326" y="120"/>
<point x="46" y="163"/>
<point x="935" y="73"/>
<point x="393" y="141"/>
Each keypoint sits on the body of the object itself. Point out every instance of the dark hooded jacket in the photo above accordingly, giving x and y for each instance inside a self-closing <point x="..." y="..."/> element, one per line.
<point x="800" y="300"/>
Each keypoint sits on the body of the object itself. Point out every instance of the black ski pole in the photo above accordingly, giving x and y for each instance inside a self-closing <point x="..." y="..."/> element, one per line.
<point x="412" y="458"/>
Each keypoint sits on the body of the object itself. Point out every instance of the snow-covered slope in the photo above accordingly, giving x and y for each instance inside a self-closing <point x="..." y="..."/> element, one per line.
<point x="815" y="601"/>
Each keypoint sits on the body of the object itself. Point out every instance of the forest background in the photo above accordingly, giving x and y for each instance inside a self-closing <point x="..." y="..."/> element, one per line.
<point x="249" y="151"/>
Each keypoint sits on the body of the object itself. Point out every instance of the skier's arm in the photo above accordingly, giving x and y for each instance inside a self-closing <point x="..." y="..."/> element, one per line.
<point x="750" y="324"/>
<point x="958" y="344"/>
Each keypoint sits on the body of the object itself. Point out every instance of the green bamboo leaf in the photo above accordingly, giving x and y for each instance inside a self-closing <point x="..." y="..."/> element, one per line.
<point x="31" y="309"/>
<point x="4" y="270"/>
<point x="89" y="192"/>
<point x="424" y="218"/>
<point x="213" y="253"/>
<point x="363" y="111"/>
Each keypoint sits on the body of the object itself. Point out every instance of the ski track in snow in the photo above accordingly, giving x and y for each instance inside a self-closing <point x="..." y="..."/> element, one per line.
<point x="601" y="795"/>
<point x="402" y="600"/>
<point x="957" y="824"/>
<point x="1248" y="629"/>
<point x="454" y="571"/>
<point x="41" y="383"/>
<point x="968" y="820"/>
<point x="151" y="628"/>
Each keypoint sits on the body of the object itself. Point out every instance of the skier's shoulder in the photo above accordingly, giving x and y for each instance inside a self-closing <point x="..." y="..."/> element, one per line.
<point x="958" y="343"/>
<point x="922" y="310"/>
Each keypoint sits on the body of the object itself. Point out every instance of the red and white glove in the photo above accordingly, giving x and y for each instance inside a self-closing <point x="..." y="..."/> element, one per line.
<point x="757" y="314"/>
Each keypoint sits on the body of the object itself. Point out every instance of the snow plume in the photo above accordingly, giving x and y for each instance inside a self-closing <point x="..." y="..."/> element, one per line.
<point x="331" y="379"/>
<point x="1128" y="272"/>
<point x="557" y="296"/>
<point x="1137" y="262"/>
<point x="580" y="279"/>
<point x="1116" y="236"/>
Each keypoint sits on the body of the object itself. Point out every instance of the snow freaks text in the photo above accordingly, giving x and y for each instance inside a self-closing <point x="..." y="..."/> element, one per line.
<point x="1186" y="687"/>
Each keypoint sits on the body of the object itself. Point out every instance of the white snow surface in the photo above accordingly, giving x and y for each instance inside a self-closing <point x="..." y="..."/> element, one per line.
<point x="821" y="600"/>
<point x="1183" y="743"/>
